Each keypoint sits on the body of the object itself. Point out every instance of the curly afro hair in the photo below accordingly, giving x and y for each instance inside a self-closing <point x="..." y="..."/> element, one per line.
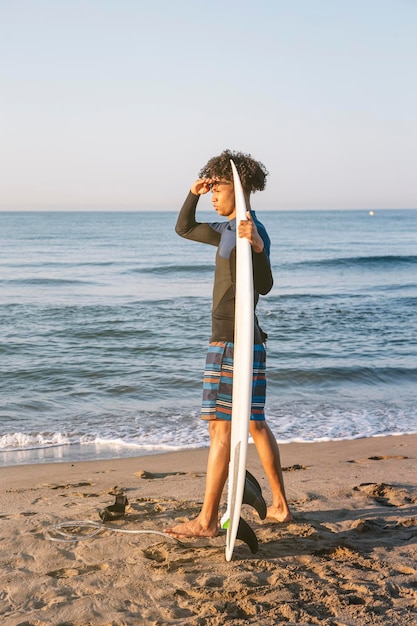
<point x="252" y="173"/>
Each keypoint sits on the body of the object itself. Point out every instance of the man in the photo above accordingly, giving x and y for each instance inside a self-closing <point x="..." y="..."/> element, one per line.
<point x="217" y="177"/>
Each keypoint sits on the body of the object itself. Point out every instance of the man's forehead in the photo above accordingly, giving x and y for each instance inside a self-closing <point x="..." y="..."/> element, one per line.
<point x="221" y="182"/>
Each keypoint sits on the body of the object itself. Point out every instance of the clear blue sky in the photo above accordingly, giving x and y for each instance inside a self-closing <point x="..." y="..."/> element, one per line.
<point x="116" y="104"/>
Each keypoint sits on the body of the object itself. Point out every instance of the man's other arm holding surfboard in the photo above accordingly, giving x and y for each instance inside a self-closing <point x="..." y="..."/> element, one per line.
<point x="216" y="177"/>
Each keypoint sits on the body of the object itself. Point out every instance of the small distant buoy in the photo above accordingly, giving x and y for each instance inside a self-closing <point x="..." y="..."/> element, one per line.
<point x="371" y="213"/>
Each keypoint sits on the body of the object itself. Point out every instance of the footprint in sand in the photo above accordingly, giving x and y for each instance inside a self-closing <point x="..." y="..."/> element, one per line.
<point x="156" y="554"/>
<point x="399" y="457"/>
<point x="71" y="572"/>
<point x="165" y="558"/>
<point x="69" y="485"/>
<point x="387" y="495"/>
<point x="151" y="475"/>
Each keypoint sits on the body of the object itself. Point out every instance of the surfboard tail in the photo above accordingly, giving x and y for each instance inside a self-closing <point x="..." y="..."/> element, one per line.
<point x="246" y="534"/>
<point x="252" y="495"/>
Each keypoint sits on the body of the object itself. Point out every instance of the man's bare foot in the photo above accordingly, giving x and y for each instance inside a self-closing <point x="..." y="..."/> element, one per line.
<point x="279" y="515"/>
<point x="193" y="528"/>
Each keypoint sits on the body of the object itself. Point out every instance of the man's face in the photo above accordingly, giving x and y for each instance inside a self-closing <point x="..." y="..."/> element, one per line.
<point x="223" y="198"/>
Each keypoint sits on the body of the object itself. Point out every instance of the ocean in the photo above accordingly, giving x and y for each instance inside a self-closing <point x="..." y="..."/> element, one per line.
<point x="105" y="319"/>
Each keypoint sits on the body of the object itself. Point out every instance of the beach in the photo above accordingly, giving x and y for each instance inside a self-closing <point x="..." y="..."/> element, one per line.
<point x="349" y="557"/>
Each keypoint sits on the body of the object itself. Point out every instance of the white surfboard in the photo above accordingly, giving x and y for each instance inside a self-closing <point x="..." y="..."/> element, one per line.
<point x="242" y="374"/>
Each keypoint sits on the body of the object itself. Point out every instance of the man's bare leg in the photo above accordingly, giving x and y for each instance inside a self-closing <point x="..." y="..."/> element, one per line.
<point x="206" y="524"/>
<point x="268" y="451"/>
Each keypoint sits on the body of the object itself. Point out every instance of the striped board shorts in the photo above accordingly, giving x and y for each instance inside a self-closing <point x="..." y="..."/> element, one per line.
<point x="218" y="381"/>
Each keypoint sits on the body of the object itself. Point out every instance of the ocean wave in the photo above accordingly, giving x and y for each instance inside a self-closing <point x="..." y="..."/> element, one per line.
<point x="51" y="282"/>
<point x="162" y="270"/>
<point x="20" y="441"/>
<point x="291" y="418"/>
<point x="103" y="448"/>
<point x="320" y="377"/>
<point x="61" y="264"/>
<point x="33" y="441"/>
<point x="382" y="261"/>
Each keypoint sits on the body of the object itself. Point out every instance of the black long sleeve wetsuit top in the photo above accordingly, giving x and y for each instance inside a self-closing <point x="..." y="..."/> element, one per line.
<point x="223" y="235"/>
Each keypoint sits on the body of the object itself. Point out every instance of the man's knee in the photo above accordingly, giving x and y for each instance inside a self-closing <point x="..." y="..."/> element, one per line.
<point x="257" y="426"/>
<point x="219" y="431"/>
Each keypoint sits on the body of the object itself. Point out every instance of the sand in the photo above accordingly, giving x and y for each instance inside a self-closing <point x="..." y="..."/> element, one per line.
<point x="349" y="557"/>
